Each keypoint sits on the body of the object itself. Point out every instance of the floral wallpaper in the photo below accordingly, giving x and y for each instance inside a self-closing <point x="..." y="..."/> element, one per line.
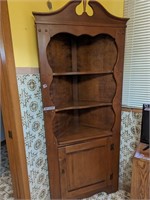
<point x="33" y="127"/>
<point x="130" y="137"/>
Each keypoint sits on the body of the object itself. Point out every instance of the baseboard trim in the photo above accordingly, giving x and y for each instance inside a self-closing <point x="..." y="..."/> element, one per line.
<point x="3" y="142"/>
<point x="27" y="70"/>
<point x="136" y="110"/>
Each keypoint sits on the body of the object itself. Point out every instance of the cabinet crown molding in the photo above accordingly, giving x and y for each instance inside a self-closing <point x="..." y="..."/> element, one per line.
<point x="67" y="15"/>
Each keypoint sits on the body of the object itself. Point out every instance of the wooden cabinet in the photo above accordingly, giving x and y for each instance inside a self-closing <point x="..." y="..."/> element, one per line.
<point x="81" y="69"/>
<point x="140" y="184"/>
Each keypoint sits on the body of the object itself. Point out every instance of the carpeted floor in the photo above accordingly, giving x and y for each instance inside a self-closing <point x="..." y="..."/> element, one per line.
<point x="6" y="192"/>
<point x="119" y="195"/>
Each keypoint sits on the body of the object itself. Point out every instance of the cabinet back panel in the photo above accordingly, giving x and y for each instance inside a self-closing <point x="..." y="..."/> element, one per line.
<point x="59" y="53"/>
<point x="97" y="53"/>
<point x="97" y="88"/>
<point x="102" y="118"/>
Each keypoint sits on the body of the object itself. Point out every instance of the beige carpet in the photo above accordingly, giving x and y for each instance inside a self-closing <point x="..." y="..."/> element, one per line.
<point x="119" y="195"/>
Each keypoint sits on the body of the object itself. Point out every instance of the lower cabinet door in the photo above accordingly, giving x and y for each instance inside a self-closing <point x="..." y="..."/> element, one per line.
<point x="85" y="168"/>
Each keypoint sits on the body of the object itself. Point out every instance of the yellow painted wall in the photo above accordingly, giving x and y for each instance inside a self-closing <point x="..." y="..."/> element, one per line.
<point x="23" y="28"/>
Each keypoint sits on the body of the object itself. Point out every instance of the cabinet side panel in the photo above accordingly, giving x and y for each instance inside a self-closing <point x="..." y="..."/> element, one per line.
<point x="61" y="91"/>
<point x="62" y="121"/>
<point x="59" y="53"/>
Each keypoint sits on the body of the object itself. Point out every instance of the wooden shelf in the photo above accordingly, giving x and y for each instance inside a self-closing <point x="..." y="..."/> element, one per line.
<point x="81" y="73"/>
<point x="80" y="133"/>
<point x="81" y="105"/>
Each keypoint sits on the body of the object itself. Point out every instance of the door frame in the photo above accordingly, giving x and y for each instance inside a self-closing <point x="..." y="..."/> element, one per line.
<point x="11" y="110"/>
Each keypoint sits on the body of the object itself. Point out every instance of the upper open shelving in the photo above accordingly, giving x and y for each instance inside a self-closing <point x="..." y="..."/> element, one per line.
<point x="71" y="55"/>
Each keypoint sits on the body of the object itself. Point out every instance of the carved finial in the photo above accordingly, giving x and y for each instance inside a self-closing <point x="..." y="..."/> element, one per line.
<point x="84" y="7"/>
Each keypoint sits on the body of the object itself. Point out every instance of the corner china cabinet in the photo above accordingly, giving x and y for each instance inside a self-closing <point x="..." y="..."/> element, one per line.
<point x="81" y="70"/>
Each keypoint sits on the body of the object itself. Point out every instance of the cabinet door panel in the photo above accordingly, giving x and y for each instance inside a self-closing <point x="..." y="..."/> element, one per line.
<point x="86" y="167"/>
